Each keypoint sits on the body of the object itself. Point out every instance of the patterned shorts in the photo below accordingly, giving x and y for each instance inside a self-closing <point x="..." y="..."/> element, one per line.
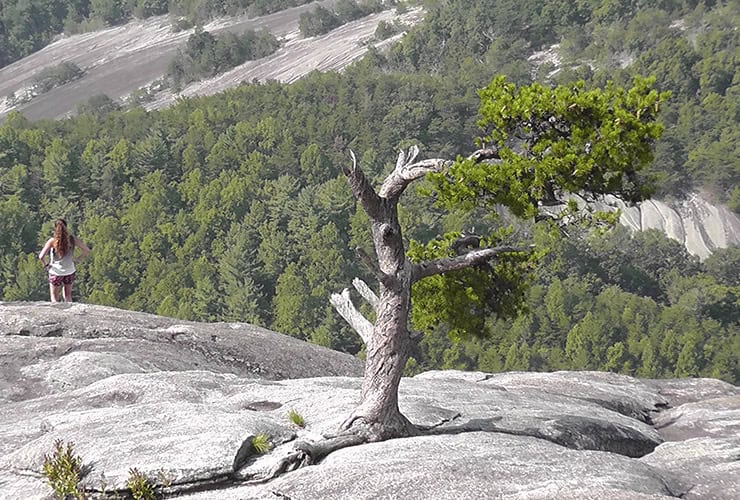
<point x="61" y="280"/>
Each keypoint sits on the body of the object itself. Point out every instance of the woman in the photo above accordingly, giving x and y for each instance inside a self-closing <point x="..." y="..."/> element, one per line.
<point x="61" y="266"/>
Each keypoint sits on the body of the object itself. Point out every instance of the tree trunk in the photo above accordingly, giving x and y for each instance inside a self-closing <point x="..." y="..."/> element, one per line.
<point x="385" y="361"/>
<point x="388" y="348"/>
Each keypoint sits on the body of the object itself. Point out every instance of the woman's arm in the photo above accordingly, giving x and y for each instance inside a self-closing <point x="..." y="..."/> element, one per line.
<point x="83" y="248"/>
<point x="45" y="250"/>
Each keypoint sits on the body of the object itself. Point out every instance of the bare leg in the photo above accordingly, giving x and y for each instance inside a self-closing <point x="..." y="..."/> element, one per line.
<point x="53" y="292"/>
<point x="68" y="292"/>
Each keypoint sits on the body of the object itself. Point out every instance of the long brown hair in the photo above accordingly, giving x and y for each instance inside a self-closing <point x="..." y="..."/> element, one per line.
<point x="62" y="239"/>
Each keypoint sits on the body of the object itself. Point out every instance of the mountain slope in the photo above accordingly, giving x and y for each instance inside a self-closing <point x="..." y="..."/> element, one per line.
<point x="120" y="60"/>
<point x="299" y="56"/>
<point x="695" y="222"/>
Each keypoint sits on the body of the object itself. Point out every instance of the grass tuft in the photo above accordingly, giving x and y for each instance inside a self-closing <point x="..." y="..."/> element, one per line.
<point x="139" y="485"/>
<point x="296" y="418"/>
<point x="261" y="443"/>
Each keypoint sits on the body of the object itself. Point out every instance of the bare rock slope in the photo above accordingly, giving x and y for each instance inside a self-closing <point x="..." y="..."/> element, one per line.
<point x="53" y="347"/>
<point x="120" y="60"/>
<point x="695" y="222"/>
<point x="182" y="401"/>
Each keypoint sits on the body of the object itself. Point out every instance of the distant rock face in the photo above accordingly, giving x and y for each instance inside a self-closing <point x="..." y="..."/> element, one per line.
<point x="696" y="223"/>
<point x="166" y="397"/>
<point x="122" y="59"/>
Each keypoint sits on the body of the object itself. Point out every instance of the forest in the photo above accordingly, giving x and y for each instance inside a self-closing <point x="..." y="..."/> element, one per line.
<point x="233" y="207"/>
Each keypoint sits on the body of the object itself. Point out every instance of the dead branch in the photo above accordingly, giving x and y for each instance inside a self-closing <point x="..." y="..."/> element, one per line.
<point x="362" y="189"/>
<point x="366" y="293"/>
<point x="407" y="171"/>
<point x="447" y="264"/>
<point x="347" y="310"/>
<point x="396" y="182"/>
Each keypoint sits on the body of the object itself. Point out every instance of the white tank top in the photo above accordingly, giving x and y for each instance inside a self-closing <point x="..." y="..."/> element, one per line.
<point x="63" y="266"/>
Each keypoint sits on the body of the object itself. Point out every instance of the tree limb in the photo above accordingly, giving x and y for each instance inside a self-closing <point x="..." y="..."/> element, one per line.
<point x="485" y="154"/>
<point x="396" y="182"/>
<point x="447" y="264"/>
<point x="407" y="172"/>
<point x="362" y="189"/>
<point x="347" y="310"/>
<point x="366" y="293"/>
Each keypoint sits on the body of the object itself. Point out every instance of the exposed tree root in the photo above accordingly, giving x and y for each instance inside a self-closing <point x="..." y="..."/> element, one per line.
<point x="356" y="430"/>
<point x="395" y="426"/>
<point x="305" y="453"/>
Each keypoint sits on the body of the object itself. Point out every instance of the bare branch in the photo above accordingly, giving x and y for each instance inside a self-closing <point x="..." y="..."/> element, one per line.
<point x="405" y="160"/>
<point x="447" y="264"/>
<point x="396" y="182"/>
<point x="401" y="161"/>
<point x="366" y="293"/>
<point x="407" y="171"/>
<point x="362" y="189"/>
<point x="346" y="309"/>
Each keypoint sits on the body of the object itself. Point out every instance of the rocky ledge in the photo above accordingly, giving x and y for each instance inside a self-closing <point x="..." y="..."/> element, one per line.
<point x="181" y="402"/>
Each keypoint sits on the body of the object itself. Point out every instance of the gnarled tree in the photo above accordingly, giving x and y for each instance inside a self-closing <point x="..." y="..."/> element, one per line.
<point x="538" y="146"/>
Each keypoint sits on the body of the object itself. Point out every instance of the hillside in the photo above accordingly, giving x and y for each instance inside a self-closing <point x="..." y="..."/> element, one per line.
<point x="181" y="402"/>
<point x="123" y="59"/>
<point x="119" y="60"/>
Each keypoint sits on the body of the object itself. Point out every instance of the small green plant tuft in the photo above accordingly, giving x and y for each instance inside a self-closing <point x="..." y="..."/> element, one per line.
<point x="139" y="486"/>
<point x="62" y="469"/>
<point x="296" y="418"/>
<point x="261" y="443"/>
